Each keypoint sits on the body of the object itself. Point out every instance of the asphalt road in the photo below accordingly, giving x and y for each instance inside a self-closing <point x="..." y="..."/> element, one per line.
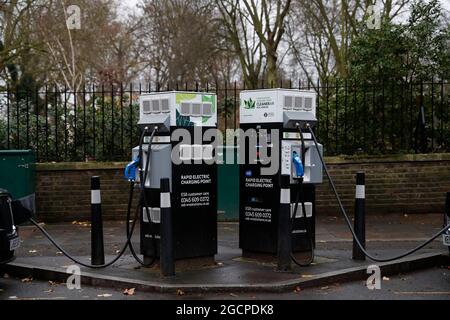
<point x="427" y="284"/>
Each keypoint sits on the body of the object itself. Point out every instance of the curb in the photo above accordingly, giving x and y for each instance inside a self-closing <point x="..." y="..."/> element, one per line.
<point x="404" y="265"/>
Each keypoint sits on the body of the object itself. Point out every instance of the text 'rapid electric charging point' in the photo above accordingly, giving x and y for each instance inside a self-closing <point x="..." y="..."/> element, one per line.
<point x="192" y="182"/>
<point x="275" y="120"/>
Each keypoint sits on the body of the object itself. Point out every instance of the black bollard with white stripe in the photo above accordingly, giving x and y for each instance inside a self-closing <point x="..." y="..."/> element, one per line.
<point x="447" y="215"/>
<point x="97" y="247"/>
<point x="167" y="254"/>
<point x="360" y="217"/>
<point x="284" y="226"/>
<point x="447" y="207"/>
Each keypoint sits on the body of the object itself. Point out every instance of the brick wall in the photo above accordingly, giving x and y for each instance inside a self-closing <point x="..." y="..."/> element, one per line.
<point x="394" y="184"/>
<point x="63" y="190"/>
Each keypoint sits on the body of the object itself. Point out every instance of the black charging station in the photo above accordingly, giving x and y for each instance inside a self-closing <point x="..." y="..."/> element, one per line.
<point x="274" y="116"/>
<point x="193" y="184"/>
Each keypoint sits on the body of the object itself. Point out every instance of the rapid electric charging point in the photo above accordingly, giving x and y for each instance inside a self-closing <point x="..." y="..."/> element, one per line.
<point x="192" y="183"/>
<point x="275" y="117"/>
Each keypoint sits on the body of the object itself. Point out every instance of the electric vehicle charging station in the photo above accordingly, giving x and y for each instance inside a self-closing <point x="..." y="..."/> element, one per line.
<point x="193" y="183"/>
<point x="283" y="121"/>
<point x="288" y="112"/>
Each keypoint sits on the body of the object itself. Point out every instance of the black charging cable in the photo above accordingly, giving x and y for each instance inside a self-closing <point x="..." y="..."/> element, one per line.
<point x="69" y="256"/>
<point x="129" y="231"/>
<point x="143" y="197"/>
<point x="299" y="197"/>
<point x="349" y="224"/>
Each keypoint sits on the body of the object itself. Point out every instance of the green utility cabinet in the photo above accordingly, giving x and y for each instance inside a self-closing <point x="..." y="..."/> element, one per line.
<point x="228" y="185"/>
<point x="17" y="175"/>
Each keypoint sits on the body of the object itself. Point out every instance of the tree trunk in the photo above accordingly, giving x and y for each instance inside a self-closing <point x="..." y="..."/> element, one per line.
<point x="272" y="70"/>
<point x="251" y="80"/>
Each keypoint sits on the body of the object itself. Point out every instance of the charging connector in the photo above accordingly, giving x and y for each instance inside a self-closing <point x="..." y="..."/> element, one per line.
<point x="349" y="224"/>
<point x="129" y="229"/>
<point x="298" y="165"/>
<point x="130" y="170"/>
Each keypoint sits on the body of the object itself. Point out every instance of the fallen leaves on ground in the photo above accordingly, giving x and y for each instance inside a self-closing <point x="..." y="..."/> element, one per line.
<point x="297" y="290"/>
<point x="104" y="295"/>
<point x="49" y="291"/>
<point x="32" y="251"/>
<point x="5" y="276"/>
<point x="180" y="292"/>
<point x="81" y="223"/>
<point x="53" y="283"/>
<point x="129" y="292"/>
<point x="27" y="280"/>
<point x="233" y="295"/>
<point x="324" y="288"/>
<point x="385" y="279"/>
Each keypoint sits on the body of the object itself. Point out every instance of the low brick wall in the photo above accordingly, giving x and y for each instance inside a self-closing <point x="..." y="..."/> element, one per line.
<point x="63" y="190"/>
<point x="394" y="184"/>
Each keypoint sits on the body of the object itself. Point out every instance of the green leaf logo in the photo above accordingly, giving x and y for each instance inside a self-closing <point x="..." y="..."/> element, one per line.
<point x="249" y="104"/>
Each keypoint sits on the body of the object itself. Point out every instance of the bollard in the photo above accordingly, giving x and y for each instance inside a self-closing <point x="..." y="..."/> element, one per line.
<point x="447" y="206"/>
<point x="284" y="226"/>
<point x="447" y="218"/>
<point x="167" y="254"/>
<point x="360" y="217"/>
<point x="97" y="247"/>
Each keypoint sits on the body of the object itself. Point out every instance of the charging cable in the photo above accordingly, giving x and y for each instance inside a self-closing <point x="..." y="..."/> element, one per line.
<point x="143" y="198"/>
<point x="300" y="172"/>
<point x="349" y="224"/>
<point x="129" y="231"/>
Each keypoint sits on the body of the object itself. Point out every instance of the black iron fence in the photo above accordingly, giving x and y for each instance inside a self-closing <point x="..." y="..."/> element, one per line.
<point x="99" y="122"/>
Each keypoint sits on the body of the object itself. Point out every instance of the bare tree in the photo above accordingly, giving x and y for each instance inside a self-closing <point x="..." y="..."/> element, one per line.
<point x="17" y="43"/>
<point x="255" y="29"/>
<point x="244" y="41"/>
<point x="122" y="62"/>
<point x="326" y="29"/>
<point x="76" y="55"/>
<point x="309" y="46"/>
<point x="180" y="42"/>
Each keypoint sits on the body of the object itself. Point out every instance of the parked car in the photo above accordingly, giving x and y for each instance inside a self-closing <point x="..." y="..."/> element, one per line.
<point x="9" y="237"/>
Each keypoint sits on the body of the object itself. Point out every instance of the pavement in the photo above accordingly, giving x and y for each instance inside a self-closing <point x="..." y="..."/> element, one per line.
<point x="429" y="284"/>
<point x="387" y="235"/>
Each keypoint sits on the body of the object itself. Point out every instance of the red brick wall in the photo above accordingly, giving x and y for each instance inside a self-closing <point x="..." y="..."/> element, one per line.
<point x="63" y="190"/>
<point x="400" y="184"/>
<point x="396" y="184"/>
